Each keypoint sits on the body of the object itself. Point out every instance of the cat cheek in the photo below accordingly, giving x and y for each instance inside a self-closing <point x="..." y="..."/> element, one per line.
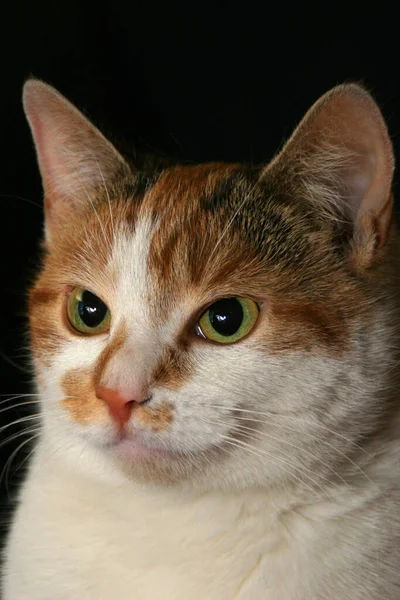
<point x="175" y="369"/>
<point x="158" y="418"/>
<point x="47" y="334"/>
<point x="85" y="408"/>
<point x="79" y="398"/>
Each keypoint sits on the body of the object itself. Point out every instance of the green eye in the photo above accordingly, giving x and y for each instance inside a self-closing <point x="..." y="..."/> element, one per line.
<point x="87" y="313"/>
<point x="228" y="320"/>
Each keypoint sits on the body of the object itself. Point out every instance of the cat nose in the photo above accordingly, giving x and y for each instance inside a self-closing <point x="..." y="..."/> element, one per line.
<point x="120" y="404"/>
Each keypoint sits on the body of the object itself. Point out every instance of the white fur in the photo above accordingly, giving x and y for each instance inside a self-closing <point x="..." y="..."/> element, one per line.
<point x="118" y="540"/>
<point x="277" y="477"/>
<point x="263" y="519"/>
<point x="97" y="535"/>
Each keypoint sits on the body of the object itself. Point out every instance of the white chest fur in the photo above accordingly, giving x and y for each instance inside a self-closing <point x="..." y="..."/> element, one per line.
<point x="92" y="538"/>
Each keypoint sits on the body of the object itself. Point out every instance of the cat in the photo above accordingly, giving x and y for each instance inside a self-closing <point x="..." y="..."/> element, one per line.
<point x="216" y="352"/>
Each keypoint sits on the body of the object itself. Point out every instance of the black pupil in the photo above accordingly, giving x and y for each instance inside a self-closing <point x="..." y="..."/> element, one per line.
<point x="226" y="316"/>
<point x="91" y="309"/>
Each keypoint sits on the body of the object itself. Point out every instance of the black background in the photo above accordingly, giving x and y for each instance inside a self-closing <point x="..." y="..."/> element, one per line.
<point x="198" y="81"/>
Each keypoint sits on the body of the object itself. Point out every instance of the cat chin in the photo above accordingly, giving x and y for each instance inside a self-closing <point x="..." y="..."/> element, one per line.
<point x="149" y="464"/>
<point x="133" y="450"/>
<point x="154" y="467"/>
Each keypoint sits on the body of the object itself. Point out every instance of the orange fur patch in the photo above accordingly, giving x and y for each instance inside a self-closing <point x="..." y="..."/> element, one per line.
<point x="295" y="326"/>
<point x="276" y="250"/>
<point x="80" y="399"/>
<point x="183" y="242"/>
<point x="115" y="344"/>
<point x="193" y="253"/>
<point x="157" y="418"/>
<point x="174" y="368"/>
<point x="65" y="265"/>
<point x="46" y="328"/>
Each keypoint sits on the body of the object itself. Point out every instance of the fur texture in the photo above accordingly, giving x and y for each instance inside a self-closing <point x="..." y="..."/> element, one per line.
<point x="266" y="469"/>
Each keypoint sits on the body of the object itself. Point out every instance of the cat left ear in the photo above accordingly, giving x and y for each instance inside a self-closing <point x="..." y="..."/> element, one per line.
<point x="340" y="158"/>
<point x="75" y="159"/>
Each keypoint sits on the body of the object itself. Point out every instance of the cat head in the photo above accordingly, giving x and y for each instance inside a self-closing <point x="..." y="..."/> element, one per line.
<point x="217" y="323"/>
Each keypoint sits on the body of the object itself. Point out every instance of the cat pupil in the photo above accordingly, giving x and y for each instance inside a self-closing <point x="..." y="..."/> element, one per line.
<point x="226" y="316"/>
<point x="91" y="309"/>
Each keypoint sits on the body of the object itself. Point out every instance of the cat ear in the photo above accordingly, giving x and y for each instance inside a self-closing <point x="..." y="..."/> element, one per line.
<point x="75" y="159"/>
<point x="340" y="157"/>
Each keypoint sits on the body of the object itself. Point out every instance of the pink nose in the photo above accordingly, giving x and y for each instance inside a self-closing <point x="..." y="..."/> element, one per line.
<point x="119" y="404"/>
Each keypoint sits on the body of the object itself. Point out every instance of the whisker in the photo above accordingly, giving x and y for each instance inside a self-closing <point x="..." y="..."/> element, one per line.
<point x="13" y="363"/>
<point x="295" y="446"/>
<point x="320" y="439"/>
<point x="229" y="224"/>
<point x="19" y="421"/>
<point x="107" y="193"/>
<point x="21" y="198"/>
<point x="17" y="397"/>
<point x="107" y="241"/>
<point x="232" y="453"/>
<point x="29" y="402"/>
<point x="255" y="431"/>
<point x="33" y="437"/>
<point x="252" y="450"/>
<point x="263" y="453"/>
<point x="6" y="469"/>
<point x="13" y="437"/>
<point x="285" y="416"/>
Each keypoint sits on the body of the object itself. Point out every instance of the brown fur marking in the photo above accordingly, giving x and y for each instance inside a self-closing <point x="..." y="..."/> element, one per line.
<point x="46" y="330"/>
<point x="174" y="369"/>
<point x="115" y="344"/>
<point x="303" y="326"/>
<point x="276" y="250"/>
<point x="157" y="418"/>
<point x="279" y="250"/>
<point x="80" y="400"/>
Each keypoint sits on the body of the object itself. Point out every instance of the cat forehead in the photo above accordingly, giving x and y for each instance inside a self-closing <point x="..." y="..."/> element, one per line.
<point x="167" y="252"/>
<point x="159" y="253"/>
<point x="207" y="225"/>
<point x="213" y="230"/>
<point x="208" y="208"/>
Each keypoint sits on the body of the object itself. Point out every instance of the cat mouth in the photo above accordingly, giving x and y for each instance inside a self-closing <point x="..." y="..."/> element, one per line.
<point x="134" y="449"/>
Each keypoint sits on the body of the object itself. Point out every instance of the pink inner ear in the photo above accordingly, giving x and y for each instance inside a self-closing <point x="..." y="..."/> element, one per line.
<point x="357" y="181"/>
<point x="74" y="157"/>
<point x="361" y="180"/>
<point x="345" y="156"/>
<point x="46" y="156"/>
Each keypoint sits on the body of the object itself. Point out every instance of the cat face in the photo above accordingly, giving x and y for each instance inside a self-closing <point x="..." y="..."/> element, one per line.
<point x="217" y="322"/>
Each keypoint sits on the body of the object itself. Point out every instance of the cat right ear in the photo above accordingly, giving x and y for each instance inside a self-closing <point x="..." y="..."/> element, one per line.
<point x="340" y="159"/>
<point x="75" y="159"/>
